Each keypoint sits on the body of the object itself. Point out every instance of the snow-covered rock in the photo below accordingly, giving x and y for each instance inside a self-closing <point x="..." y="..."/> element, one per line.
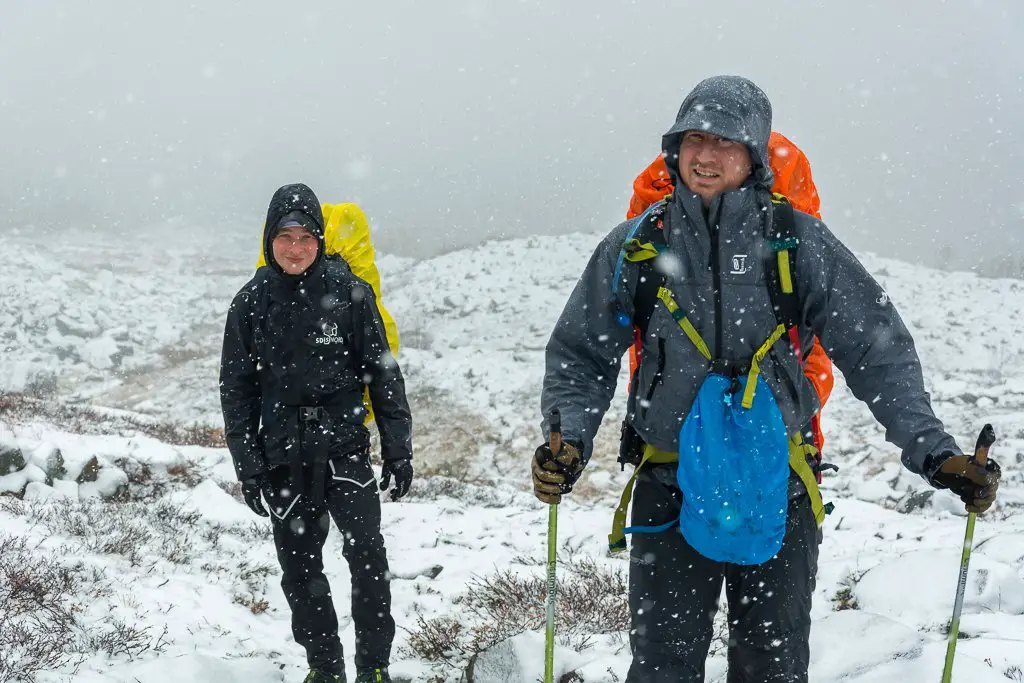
<point x="13" y="483"/>
<point x="11" y="457"/>
<point x="1007" y="548"/>
<point x="880" y="640"/>
<point x="40" y="491"/>
<point x="49" y="458"/>
<point x="110" y="482"/>
<point x="520" y="660"/>
<point x="920" y="586"/>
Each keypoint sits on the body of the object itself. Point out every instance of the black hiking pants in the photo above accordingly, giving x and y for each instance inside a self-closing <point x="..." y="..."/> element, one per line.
<point x="674" y="593"/>
<point x="300" y="530"/>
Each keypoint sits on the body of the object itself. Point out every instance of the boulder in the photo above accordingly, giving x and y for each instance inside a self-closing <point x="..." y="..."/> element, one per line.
<point x="11" y="458"/>
<point x="49" y="458"/>
<point x="520" y="659"/>
<point x="90" y="471"/>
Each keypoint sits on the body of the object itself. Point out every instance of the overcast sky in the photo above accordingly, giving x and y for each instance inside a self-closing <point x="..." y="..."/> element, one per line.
<point x="453" y="122"/>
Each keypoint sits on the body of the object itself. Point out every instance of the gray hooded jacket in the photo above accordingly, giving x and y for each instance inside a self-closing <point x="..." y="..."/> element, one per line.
<point x="714" y="267"/>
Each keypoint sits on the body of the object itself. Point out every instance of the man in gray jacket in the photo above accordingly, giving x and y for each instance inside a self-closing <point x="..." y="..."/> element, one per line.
<point x="715" y="314"/>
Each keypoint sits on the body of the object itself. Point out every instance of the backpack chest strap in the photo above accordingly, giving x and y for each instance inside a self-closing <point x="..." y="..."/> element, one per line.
<point x="665" y="296"/>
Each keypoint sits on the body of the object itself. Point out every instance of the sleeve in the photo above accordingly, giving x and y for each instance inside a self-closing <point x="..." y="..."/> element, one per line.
<point x="863" y="334"/>
<point x="818" y="369"/>
<point x="240" y="395"/>
<point x="382" y="377"/>
<point x="585" y="349"/>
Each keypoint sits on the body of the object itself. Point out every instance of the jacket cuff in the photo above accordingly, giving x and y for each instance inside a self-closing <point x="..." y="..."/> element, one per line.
<point x="932" y="463"/>
<point x="395" y="456"/>
<point x="255" y="467"/>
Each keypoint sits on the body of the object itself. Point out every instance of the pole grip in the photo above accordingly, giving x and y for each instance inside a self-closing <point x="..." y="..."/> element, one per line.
<point x="555" y="435"/>
<point x="985" y="441"/>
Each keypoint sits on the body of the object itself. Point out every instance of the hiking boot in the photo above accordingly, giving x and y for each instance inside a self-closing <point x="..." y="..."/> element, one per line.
<point x="373" y="676"/>
<point x="318" y="676"/>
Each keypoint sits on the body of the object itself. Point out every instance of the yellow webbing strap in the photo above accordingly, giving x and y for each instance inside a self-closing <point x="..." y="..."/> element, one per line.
<point x="636" y="251"/>
<point x="755" y="367"/>
<point x="617" y="539"/>
<point x="785" y="279"/>
<point x="684" y="322"/>
<point x="801" y="455"/>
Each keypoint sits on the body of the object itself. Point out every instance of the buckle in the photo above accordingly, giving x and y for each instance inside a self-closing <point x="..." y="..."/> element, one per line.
<point x="311" y="413"/>
<point x="730" y="368"/>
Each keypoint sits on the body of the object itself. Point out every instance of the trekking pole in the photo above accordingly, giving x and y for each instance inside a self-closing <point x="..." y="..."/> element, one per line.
<point x="985" y="441"/>
<point x="555" y="443"/>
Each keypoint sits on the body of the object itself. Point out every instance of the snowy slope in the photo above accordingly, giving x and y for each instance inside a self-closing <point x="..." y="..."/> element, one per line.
<point x="137" y="326"/>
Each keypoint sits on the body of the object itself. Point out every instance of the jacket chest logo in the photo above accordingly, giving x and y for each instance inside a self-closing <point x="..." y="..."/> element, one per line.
<point x="329" y="334"/>
<point x="739" y="264"/>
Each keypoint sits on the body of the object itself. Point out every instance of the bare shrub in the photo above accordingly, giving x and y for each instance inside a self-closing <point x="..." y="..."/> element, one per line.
<point x="590" y="600"/>
<point x="175" y="527"/>
<point x="37" y="612"/>
<point x="103" y="528"/>
<point x="40" y="599"/>
<point x="251" y="602"/>
<point x="844" y="598"/>
<point x="145" y="484"/>
<point x="188" y="471"/>
<point x="117" y="637"/>
<point x="254" y="574"/>
<point x="439" y="640"/>
<point x="232" y="488"/>
<point x="132" y="529"/>
<point x="434" y="487"/>
<point x="16" y="507"/>
<point x="79" y="419"/>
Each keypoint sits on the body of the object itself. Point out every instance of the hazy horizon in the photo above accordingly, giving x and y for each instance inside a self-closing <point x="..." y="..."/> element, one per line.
<point x="455" y="123"/>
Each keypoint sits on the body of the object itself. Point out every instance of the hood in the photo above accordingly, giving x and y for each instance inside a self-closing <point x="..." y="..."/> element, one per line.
<point x="293" y="202"/>
<point x="731" y="107"/>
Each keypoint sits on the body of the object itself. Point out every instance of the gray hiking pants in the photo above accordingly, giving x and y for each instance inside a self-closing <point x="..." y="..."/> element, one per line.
<point x="674" y="593"/>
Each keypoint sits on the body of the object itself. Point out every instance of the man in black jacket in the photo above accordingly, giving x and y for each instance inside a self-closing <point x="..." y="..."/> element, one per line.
<point x="302" y="341"/>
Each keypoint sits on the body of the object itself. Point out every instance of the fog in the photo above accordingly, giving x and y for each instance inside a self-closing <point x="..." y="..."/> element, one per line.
<point x="451" y="123"/>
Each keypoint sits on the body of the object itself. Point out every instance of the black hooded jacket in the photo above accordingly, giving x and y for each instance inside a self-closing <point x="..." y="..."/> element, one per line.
<point x="301" y="347"/>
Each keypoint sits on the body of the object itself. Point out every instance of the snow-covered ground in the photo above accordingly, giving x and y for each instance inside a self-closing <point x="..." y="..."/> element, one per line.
<point x="135" y="324"/>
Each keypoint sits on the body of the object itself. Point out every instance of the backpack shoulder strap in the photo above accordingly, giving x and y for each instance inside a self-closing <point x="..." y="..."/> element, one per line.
<point x="643" y="247"/>
<point x="780" y="263"/>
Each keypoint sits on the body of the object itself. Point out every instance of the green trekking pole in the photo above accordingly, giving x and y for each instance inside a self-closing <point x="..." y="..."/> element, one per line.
<point x="985" y="441"/>
<point x="555" y="443"/>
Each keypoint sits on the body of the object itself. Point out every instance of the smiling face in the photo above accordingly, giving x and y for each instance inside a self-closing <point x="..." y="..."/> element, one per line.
<point x="295" y="249"/>
<point x="710" y="165"/>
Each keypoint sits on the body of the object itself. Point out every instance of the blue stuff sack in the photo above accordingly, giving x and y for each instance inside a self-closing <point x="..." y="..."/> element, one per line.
<point x="734" y="473"/>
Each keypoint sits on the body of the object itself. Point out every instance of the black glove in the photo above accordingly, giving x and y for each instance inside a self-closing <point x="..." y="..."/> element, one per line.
<point x="976" y="484"/>
<point x="555" y="473"/>
<point x="402" y="469"/>
<point x="251" y="490"/>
